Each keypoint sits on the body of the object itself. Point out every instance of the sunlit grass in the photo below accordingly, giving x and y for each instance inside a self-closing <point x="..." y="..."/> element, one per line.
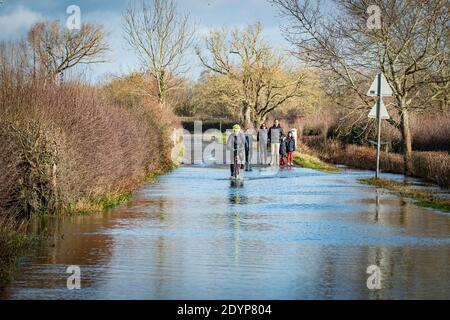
<point x="311" y="162"/>
<point x="105" y="202"/>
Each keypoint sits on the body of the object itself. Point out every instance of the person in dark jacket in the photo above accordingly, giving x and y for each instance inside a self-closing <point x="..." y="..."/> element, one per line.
<point x="248" y="148"/>
<point x="274" y="137"/>
<point x="275" y="131"/>
<point x="262" y="138"/>
<point x="290" y="148"/>
<point x="283" y="152"/>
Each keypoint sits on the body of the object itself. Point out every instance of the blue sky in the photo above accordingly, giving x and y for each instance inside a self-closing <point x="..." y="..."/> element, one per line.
<point x="16" y="16"/>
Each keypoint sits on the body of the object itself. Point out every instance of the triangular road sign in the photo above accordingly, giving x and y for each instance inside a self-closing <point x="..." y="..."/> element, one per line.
<point x="383" y="111"/>
<point x="385" y="88"/>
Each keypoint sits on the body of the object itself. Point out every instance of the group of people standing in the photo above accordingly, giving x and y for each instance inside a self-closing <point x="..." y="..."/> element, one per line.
<point x="282" y="147"/>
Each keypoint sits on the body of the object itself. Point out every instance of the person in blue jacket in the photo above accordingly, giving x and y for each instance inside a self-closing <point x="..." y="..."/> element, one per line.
<point x="290" y="148"/>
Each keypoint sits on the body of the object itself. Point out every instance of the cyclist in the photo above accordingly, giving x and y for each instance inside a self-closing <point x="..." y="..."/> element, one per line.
<point x="236" y="143"/>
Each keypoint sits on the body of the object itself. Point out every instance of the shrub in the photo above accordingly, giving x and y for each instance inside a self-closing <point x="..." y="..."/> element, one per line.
<point x="30" y="184"/>
<point x="431" y="166"/>
<point x="62" y="145"/>
<point x="431" y="132"/>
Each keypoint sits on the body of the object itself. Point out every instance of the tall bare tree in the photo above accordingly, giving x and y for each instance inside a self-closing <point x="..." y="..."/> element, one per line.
<point x="160" y="36"/>
<point x="244" y="56"/>
<point x="56" y="49"/>
<point x="410" y="46"/>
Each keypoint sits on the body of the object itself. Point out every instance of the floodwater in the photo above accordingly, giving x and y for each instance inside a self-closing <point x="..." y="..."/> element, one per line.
<point x="297" y="234"/>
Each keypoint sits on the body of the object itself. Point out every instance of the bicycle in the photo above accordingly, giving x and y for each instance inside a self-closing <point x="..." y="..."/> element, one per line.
<point x="237" y="166"/>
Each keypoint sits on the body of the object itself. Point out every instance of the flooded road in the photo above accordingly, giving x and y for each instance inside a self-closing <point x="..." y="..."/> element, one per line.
<point x="299" y="234"/>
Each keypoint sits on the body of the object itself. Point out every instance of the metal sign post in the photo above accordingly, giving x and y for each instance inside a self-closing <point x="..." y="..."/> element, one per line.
<point x="379" y="88"/>
<point x="377" y="173"/>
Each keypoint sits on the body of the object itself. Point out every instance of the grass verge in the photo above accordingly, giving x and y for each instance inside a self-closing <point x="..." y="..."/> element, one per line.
<point x="107" y="201"/>
<point x="111" y="200"/>
<point x="423" y="198"/>
<point x="311" y="162"/>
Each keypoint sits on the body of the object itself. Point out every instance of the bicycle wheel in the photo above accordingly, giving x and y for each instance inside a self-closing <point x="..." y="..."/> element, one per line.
<point x="236" y="167"/>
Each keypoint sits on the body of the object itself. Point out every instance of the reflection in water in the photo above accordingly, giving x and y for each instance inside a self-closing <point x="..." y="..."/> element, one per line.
<point x="236" y="228"/>
<point x="236" y="198"/>
<point x="377" y="200"/>
<point x="299" y="234"/>
<point x="236" y="183"/>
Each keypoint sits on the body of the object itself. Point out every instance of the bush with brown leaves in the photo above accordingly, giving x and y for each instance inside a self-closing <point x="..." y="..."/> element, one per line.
<point x="61" y="145"/>
<point x="431" y="166"/>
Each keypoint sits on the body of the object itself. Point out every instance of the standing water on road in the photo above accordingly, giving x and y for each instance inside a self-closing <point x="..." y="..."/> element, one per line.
<point x="299" y="234"/>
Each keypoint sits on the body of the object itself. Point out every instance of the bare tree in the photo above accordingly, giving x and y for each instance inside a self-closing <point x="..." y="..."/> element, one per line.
<point x="410" y="47"/>
<point x="56" y="49"/>
<point x="264" y="85"/>
<point x="161" y="37"/>
<point x="274" y="87"/>
<point x="14" y="64"/>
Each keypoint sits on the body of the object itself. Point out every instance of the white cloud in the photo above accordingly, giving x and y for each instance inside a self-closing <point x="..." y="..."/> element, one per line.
<point x="17" y="22"/>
